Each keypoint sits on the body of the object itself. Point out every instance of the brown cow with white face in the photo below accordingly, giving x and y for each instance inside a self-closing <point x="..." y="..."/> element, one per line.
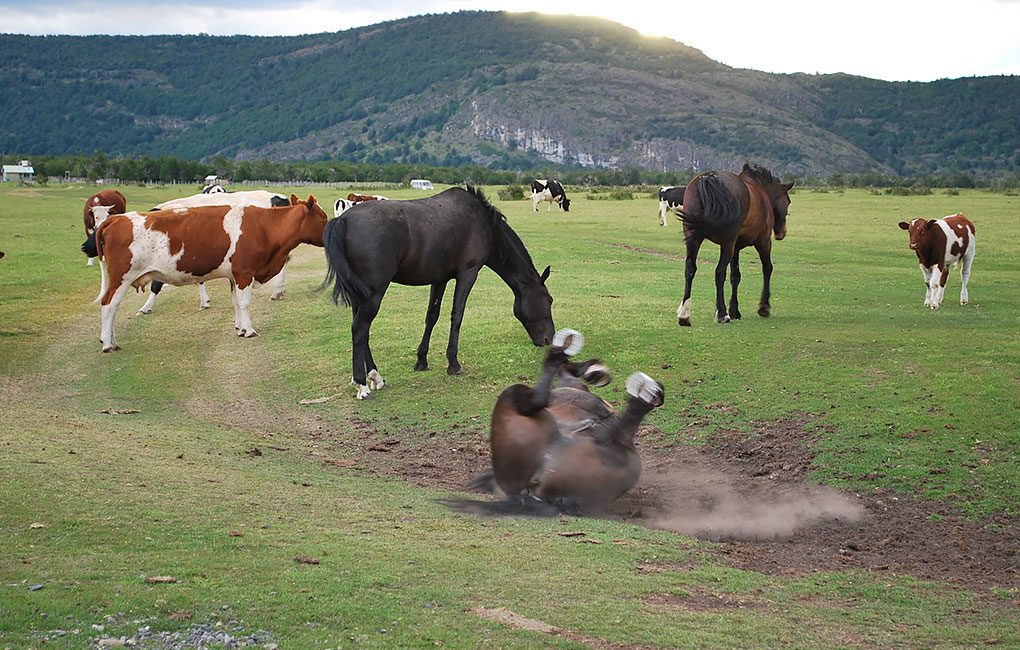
<point x="98" y="207"/>
<point x="940" y="243"/>
<point x="244" y="244"/>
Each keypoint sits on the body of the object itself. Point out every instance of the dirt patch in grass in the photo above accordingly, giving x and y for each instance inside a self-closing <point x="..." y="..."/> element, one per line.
<point x="750" y="493"/>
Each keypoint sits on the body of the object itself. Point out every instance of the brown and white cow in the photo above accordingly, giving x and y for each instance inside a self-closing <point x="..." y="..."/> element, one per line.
<point x="98" y="207"/>
<point x="940" y="243"/>
<point x="361" y="198"/>
<point x="244" y="244"/>
<point x="257" y="198"/>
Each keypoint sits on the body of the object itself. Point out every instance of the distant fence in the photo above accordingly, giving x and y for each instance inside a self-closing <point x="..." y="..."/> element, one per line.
<point x="340" y="185"/>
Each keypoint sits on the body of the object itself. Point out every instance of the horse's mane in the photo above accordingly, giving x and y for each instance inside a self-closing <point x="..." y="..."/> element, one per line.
<point x="507" y="242"/>
<point x="762" y="175"/>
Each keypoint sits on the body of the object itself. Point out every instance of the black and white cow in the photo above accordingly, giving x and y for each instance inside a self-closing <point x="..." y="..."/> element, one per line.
<point x="551" y="191"/>
<point x="213" y="188"/>
<point x="671" y="199"/>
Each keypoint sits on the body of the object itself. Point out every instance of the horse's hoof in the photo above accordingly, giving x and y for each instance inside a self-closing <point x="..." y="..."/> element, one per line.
<point x="764" y="311"/>
<point x="454" y="370"/>
<point x="570" y="340"/>
<point x="645" y="389"/>
<point x="364" y="392"/>
<point x="735" y="314"/>
<point x="421" y="365"/>
<point x="375" y="380"/>
<point x="722" y="319"/>
<point x="684" y="322"/>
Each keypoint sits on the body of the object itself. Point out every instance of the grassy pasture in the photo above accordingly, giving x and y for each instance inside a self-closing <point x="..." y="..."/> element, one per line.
<point x="918" y="401"/>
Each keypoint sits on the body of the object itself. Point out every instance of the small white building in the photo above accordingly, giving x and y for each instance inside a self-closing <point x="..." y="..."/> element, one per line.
<point x="421" y="184"/>
<point x="21" y="173"/>
<point x="213" y="179"/>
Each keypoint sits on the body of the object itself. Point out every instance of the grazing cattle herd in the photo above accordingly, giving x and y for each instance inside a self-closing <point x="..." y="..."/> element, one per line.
<point x="562" y="448"/>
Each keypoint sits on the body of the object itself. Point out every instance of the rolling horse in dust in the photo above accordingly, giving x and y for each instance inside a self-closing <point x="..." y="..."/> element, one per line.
<point x="565" y="448"/>
<point x="734" y="211"/>
<point x="429" y="241"/>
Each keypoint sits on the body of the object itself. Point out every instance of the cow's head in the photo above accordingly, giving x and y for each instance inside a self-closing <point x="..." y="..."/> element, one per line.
<point x="100" y="213"/>
<point x="533" y="307"/>
<point x="565" y="203"/>
<point x="918" y="229"/>
<point x="314" y="223"/>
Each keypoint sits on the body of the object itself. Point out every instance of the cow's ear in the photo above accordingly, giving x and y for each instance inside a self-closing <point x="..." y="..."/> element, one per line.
<point x="931" y="223"/>
<point x="789" y="186"/>
<point x="904" y="225"/>
<point x="545" y="274"/>
<point x="294" y="199"/>
<point x="311" y="200"/>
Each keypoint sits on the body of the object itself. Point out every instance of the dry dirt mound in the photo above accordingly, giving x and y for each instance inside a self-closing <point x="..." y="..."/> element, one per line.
<point x="751" y="494"/>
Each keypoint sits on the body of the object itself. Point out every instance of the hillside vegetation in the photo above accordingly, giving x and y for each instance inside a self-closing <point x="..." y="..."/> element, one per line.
<point x="503" y="90"/>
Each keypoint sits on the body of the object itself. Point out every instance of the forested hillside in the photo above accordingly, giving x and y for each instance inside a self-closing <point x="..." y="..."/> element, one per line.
<point x="495" y="89"/>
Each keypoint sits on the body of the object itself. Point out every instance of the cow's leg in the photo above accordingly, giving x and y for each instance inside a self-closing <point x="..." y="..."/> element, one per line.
<point x="765" y="254"/>
<point x="242" y="304"/>
<point x="90" y="261"/>
<point x="465" y="280"/>
<point x="693" y="245"/>
<point x="276" y="284"/>
<point x="939" y="276"/>
<point x="364" y="369"/>
<point x="203" y="296"/>
<point x="120" y="280"/>
<point x="431" y="318"/>
<point x="154" y="290"/>
<point x="663" y="210"/>
<point x="725" y="255"/>
<point x="534" y="202"/>
<point x="734" y="283"/>
<point x="968" y="259"/>
<point x="926" y="273"/>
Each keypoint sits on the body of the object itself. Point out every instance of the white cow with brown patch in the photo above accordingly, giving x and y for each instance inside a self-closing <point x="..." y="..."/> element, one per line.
<point x="244" y="244"/>
<point x="940" y="243"/>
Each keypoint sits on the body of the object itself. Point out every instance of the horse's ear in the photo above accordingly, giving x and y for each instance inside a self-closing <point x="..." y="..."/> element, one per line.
<point x="545" y="274"/>
<point x="294" y="199"/>
<point x="746" y="168"/>
<point x="788" y="186"/>
<point x="904" y="225"/>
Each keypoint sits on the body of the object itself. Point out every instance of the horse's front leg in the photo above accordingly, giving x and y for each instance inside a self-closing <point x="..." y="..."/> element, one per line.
<point x="465" y="280"/>
<point x="683" y="312"/>
<point x="431" y="318"/>
<point x="725" y="255"/>
<point x="365" y="377"/>
<point x="765" y="254"/>
<point x="734" y="283"/>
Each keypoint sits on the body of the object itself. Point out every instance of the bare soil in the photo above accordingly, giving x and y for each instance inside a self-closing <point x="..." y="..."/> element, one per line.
<point x="751" y="494"/>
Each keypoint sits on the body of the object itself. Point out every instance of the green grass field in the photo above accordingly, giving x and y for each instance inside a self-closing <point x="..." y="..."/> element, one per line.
<point x="93" y="504"/>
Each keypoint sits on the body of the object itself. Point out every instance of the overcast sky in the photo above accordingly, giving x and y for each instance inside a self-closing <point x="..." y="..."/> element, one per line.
<point x="896" y="40"/>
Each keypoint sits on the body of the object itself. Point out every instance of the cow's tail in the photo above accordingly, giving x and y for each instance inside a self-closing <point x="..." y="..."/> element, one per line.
<point x="97" y="249"/>
<point x="347" y="286"/>
<point x="715" y="208"/>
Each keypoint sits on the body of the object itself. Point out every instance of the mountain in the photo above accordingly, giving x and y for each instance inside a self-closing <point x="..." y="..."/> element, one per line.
<point x="492" y="88"/>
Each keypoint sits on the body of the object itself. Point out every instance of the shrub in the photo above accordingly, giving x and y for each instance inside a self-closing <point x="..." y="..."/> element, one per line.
<point x="512" y="193"/>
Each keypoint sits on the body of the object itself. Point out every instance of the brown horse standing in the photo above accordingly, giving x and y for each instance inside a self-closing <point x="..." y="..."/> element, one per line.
<point x="566" y="447"/>
<point x="734" y="211"/>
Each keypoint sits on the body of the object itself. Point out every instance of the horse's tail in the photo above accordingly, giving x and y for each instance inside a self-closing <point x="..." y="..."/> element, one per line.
<point x="484" y="482"/>
<point x="714" y="208"/>
<point x="347" y="286"/>
<point x="90" y="247"/>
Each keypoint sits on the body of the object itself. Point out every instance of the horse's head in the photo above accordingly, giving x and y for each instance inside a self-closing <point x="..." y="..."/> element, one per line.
<point x="533" y="307"/>
<point x="780" y="207"/>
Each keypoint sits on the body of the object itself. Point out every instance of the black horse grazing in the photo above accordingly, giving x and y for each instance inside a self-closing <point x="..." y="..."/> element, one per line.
<point x="448" y="236"/>
<point x="734" y="211"/>
<point x="566" y="447"/>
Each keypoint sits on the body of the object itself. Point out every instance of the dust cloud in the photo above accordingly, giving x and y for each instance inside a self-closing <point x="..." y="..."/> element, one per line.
<point x="712" y="504"/>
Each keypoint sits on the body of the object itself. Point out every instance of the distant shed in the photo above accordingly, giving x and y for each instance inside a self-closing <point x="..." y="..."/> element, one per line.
<point x="21" y="173"/>
<point x="421" y="184"/>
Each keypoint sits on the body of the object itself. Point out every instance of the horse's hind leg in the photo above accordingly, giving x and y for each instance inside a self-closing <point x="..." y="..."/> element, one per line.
<point x="765" y="253"/>
<point x="693" y="245"/>
<point x="465" y="280"/>
<point x="734" y="283"/>
<point x="364" y="370"/>
<point x="725" y="255"/>
<point x="431" y="318"/>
